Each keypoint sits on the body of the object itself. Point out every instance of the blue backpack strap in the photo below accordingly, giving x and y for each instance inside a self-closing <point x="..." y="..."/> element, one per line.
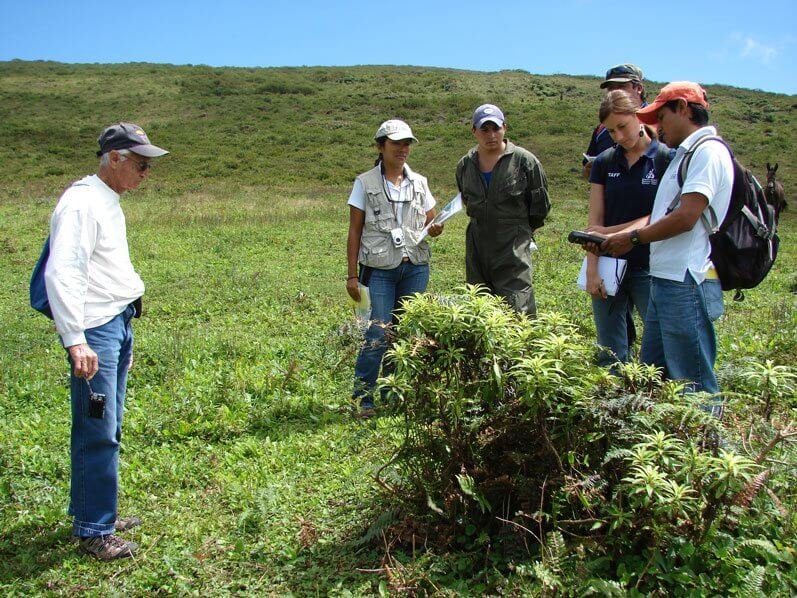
<point x="38" y="288"/>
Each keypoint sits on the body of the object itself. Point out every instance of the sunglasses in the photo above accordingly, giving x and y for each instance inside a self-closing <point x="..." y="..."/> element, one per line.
<point x="143" y="165"/>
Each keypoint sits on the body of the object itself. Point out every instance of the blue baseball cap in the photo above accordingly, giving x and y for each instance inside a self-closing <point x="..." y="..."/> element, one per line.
<point x="487" y="113"/>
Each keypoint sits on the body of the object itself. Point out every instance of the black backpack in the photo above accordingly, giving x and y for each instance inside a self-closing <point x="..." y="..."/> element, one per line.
<point x="744" y="246"/>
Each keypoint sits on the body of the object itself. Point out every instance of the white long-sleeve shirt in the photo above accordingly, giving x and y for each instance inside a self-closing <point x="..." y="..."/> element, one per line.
<point x="89" y="276"/>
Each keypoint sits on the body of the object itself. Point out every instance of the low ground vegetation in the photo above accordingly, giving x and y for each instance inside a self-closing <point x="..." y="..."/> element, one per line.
<point x="240" y="453"/>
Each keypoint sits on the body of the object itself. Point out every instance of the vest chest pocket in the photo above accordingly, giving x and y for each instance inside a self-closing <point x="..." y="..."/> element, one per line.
<point x="378" y="213"/>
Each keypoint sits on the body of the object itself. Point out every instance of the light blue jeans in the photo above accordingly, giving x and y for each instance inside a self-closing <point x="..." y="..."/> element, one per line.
<point x="610" y="316"/>
<point x="679" y="333"/>
<point x="95" y="442"/>
<point x="388" y="288"/>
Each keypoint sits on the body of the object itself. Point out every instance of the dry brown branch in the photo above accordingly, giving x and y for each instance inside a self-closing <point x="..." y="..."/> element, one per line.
<point x="780" y="435"/>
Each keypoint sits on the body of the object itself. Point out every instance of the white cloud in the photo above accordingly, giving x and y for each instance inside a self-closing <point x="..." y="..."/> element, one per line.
<point x="754" y="50"/>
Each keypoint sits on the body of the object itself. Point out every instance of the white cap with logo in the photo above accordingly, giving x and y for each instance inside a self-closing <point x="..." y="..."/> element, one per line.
<point x="395" y="130"/>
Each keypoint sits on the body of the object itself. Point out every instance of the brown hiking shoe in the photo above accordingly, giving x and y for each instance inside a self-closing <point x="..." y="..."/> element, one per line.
<point x="125" y="524"/>
<point x="107" y="548"/>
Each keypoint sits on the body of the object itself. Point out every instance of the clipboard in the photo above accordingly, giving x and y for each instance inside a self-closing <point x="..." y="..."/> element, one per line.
<point x="610" y="269"/>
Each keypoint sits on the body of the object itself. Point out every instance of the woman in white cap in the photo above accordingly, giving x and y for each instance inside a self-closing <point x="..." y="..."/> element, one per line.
<point x="389" y="207"/>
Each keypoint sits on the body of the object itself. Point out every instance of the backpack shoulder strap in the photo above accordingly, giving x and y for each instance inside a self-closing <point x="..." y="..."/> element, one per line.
<point x="713" y="224"/>
<point x="682" y="170"/>
<point x="661" y="160"/>
<point x="690" y="152"/>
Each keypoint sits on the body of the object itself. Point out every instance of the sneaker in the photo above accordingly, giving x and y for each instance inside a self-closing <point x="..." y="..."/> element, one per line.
<point x="124" y="524"/>
<point x="107" y="548"/>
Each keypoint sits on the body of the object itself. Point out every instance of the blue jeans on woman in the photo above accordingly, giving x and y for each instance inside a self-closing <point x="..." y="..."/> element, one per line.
<point x="679" y="333"/>
<point x="610" y="316"/>
<point x="95" y="442"/>
<point x="387" y="289"/>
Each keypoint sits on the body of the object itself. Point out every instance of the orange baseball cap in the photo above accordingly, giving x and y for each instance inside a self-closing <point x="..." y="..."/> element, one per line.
<point x="691" y="92"/>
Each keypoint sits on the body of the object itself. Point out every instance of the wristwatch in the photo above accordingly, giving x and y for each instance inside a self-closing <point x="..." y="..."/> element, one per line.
<point x="635" y="237"/>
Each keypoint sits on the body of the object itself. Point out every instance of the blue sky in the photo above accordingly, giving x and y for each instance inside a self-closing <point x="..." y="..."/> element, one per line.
<point x="733" y="42"/>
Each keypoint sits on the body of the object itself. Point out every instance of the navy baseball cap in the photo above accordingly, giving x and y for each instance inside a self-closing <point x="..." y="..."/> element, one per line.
<point x="128" y="136"/>
<point x="487" y="113"/>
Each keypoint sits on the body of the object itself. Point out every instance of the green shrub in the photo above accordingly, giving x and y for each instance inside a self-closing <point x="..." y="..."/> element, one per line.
<point x="506" y="423"/>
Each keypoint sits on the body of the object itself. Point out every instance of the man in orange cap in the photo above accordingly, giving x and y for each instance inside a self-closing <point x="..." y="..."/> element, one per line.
<point x="685" y="295"/>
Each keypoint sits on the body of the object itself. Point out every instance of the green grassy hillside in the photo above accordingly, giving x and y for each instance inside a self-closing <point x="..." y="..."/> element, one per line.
<point x="239" y="450"/>
<point x="311" y="127"/>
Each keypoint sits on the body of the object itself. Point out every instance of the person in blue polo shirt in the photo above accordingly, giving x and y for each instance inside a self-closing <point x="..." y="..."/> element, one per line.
<point x="629" y="78"/>
<point x="623" y="185"/>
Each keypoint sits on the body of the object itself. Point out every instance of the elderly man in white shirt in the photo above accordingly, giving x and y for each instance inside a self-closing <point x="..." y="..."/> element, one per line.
<point x="685" y="295"/>
<point x="94" y="291"/>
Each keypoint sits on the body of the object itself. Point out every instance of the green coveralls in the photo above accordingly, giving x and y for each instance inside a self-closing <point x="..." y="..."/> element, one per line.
<point x="503" y="218"/>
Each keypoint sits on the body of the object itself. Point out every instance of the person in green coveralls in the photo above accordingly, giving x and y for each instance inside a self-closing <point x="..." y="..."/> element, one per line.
<point x="505" y="194"/>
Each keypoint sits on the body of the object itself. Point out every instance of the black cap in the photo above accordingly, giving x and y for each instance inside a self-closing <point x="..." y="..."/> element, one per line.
<point x="128" y="136"/>
<point x="623" y="73"/>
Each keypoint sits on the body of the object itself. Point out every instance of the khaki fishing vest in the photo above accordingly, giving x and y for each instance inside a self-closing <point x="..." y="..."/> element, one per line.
<point x="376" y="246"/>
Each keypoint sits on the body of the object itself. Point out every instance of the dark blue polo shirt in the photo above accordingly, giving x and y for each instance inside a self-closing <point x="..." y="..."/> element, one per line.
<point x="599" y="143"/>
<point x="628" y="193"/>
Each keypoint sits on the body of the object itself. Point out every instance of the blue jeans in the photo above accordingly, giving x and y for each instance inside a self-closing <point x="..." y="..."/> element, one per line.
<point x="95" y="442"/>
<point x="387" y="288"/>
<point x="679" y="333"/>
<point x="610" y="316"/>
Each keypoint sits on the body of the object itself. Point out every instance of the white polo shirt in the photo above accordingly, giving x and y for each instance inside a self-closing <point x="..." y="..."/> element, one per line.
<point x="89" y="277"/>
<point x="710" y="173"/>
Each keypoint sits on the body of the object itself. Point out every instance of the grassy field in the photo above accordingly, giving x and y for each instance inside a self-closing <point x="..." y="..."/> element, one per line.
<point x="240" y="453"/>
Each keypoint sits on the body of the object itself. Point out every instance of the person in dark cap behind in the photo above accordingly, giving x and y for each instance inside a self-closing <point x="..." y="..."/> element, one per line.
<point x="629" y="78"/>
<point x="94" y="292"/>
<point x="505" y="193"/>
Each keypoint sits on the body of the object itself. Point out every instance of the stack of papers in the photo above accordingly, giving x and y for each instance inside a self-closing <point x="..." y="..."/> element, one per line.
<point x="610" y="269"/>
<point x="453" y="207"/>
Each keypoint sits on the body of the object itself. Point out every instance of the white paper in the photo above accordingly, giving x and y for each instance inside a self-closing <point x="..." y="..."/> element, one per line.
<point x="610" y="269"/>
<point x="454" y="207"/>
<point x="362" y="309"/>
